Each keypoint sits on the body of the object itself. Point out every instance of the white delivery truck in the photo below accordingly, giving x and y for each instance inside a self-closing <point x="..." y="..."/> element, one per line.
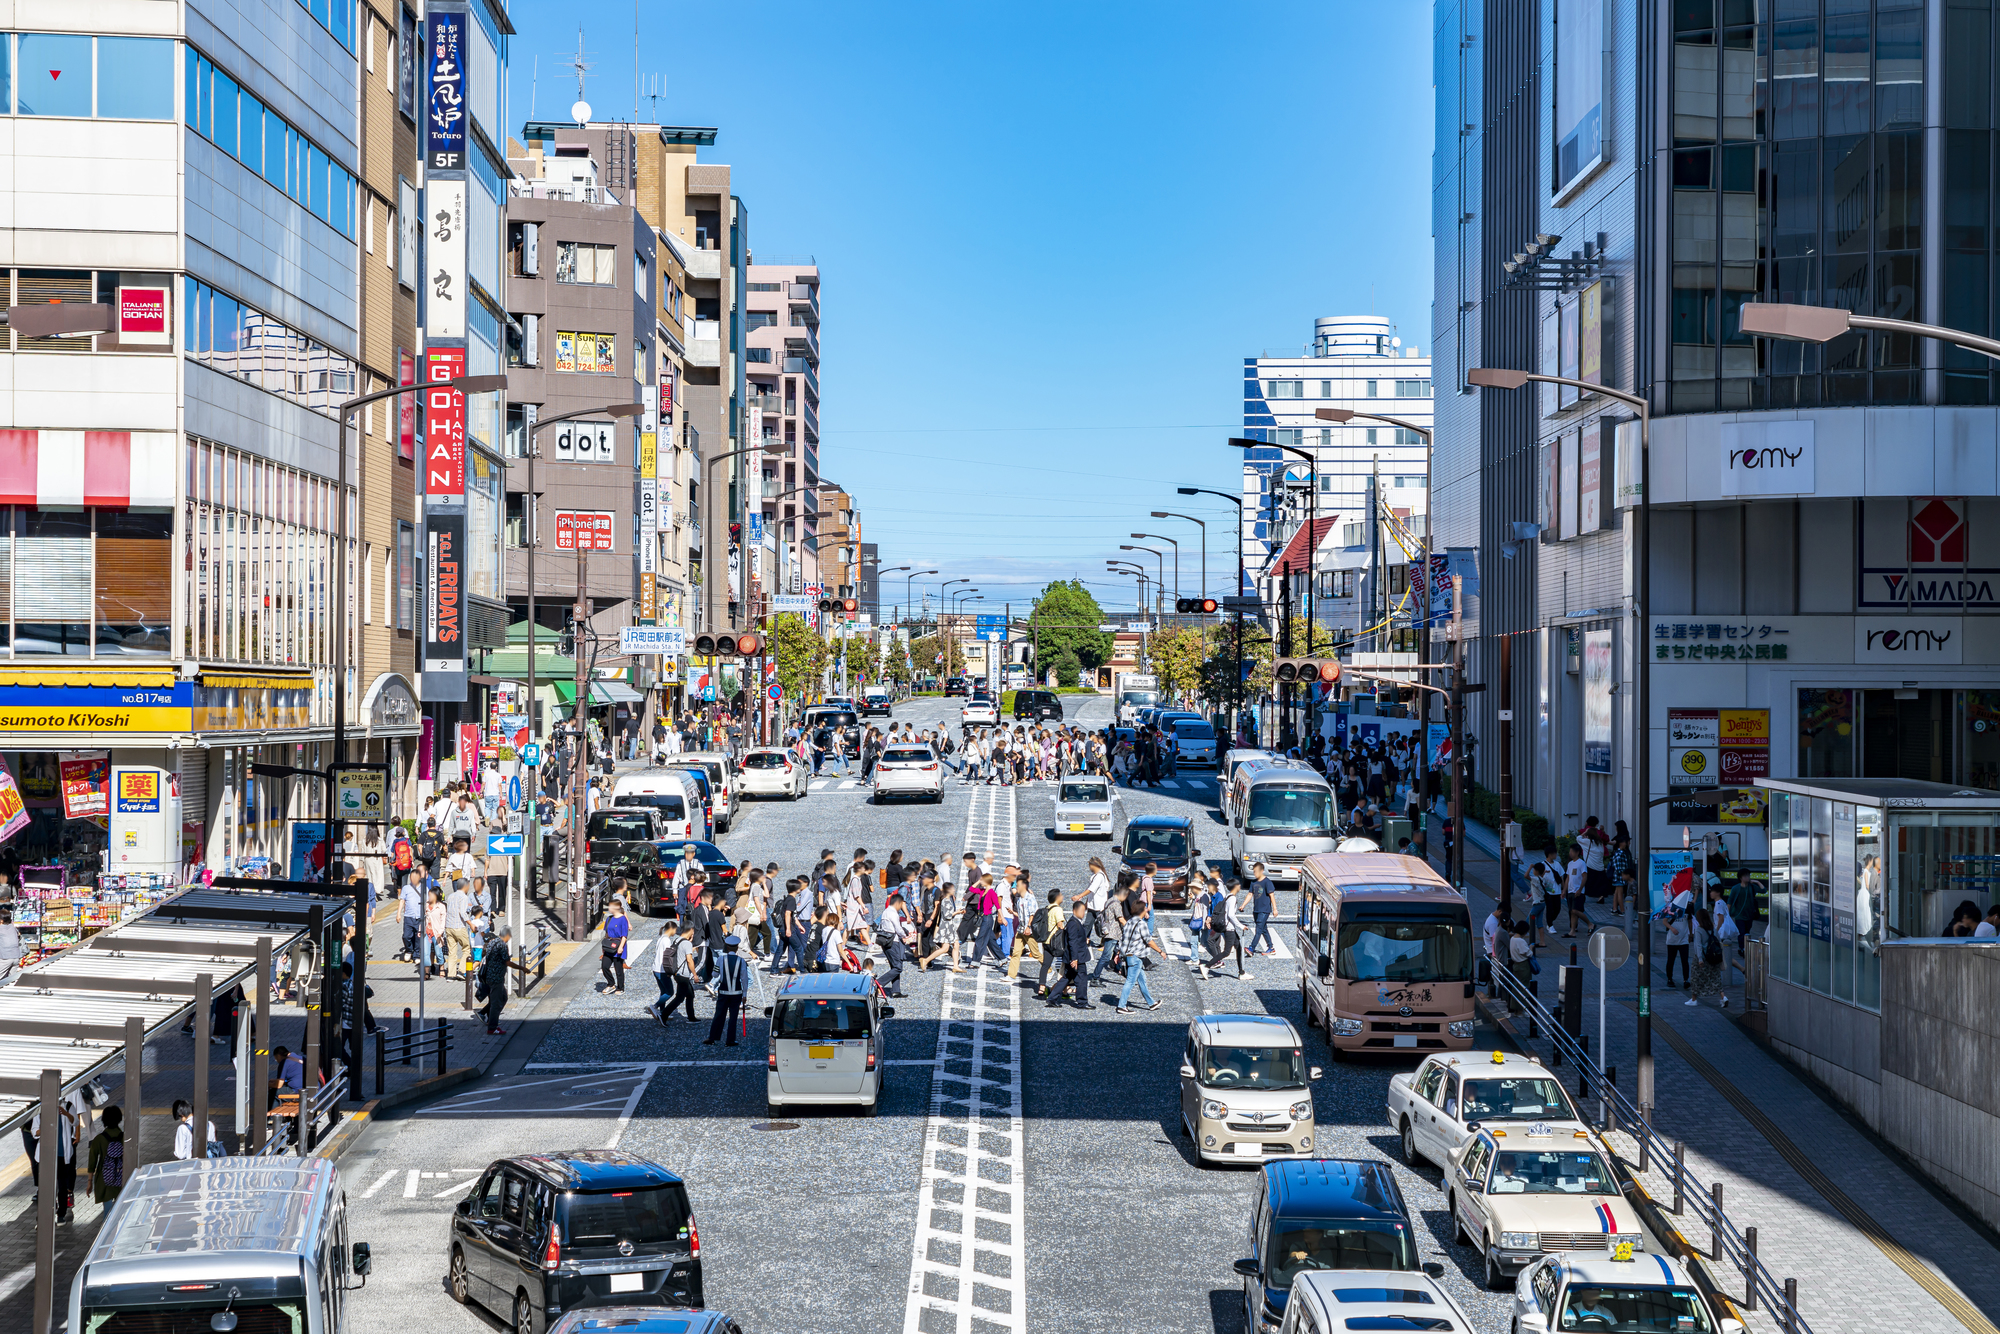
<point x="1136" y="691"/>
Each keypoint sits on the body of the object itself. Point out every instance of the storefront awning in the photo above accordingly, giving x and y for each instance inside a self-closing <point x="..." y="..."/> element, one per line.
<point x="601" y="693"/>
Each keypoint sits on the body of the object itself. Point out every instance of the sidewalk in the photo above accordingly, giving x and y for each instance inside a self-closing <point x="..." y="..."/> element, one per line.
<point x="1873" y="1247"/>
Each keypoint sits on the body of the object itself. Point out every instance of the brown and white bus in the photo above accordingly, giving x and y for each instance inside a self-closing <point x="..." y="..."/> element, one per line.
<point x="1385" y="954"/>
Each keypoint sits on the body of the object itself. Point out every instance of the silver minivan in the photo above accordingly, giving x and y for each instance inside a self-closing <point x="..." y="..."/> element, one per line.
<point x="826" y="1043"/>
<point x="166" y="1256"/>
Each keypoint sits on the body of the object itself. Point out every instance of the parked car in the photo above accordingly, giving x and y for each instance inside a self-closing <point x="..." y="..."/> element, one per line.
<point x="721" y="771"/>
<point x="543" y="1234"/>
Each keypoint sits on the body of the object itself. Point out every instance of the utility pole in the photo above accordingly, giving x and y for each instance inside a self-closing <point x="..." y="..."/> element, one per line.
<point x="1457" y="867"/>
<point x="1286" y="735"/>
<point x="1506" y="776"/>
<point x="579" y="846"/>
<point x="531" y="829"/>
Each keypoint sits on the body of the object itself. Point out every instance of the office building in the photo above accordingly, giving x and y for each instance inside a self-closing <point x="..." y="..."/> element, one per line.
<point x="781" y="363"/>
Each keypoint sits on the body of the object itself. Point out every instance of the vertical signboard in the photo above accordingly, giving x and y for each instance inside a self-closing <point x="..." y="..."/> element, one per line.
<point x="1590" y="359"/>
<point x="1710" y="748"/>
<point x="1579" y="100"/>
<point x="406" y="407"/>
<point x="1597" y="701"/>
<point x="444" y="116"/>
<point x="444" y="427"/>
<point x="444" y="618"/>
<point x="444" y="220"/>
<point x="1590" y="480"/>
<point x="1566" y="519"/>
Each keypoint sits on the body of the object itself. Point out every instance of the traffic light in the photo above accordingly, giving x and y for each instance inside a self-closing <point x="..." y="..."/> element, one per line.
<point x="750" y="645"/>
<point x="709" y="646"/>
<point x="1305" y="671"/>
<point x="1195" y="606"/>
<point x="829" y="604"/>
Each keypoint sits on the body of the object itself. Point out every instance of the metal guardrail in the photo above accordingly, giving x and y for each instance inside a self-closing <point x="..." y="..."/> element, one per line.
<point x="322" y="1107"/>
<point x="1729" y="1245"/>
<point x="531" y="967"/>
<point x="1756" y="974"/>
<point x="409" y="1048"/>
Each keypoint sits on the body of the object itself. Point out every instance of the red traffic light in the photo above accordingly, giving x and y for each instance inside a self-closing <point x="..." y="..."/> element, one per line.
<point x="849" y="605"/>
<point x="750" y="645"/>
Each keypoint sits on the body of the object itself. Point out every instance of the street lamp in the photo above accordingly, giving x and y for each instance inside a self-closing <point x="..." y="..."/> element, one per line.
<point x="1167" y="514"/>
<point x="1237" y="721"/>
<point x="1487" y="377"/>
<point x="1162" y="537"/>
<point x="59" y="317"/>
<point x="1821" y="324"/>
<point x="1312" y="552"/>
<point x="1159" y="556"/>
<point x="1131" y="567"/>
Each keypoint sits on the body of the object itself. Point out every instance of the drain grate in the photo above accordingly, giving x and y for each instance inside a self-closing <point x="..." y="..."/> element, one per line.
<point x="774" y="1125"/>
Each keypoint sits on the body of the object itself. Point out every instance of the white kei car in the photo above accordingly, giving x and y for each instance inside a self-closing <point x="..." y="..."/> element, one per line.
<point x="909" y="771"/>
<point x="771" y="771"/>
<point x="1083" y="806"/>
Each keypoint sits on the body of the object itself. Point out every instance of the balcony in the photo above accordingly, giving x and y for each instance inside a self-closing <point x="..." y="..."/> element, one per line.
<point x="705" y="264"/>
<point x="706" y="352"/>
<point x="768" y="404"/>
<point x="804" y="341"/>
<point x="804" y="299"/>
<point x="812" y="421"/>
<point x="800" y="366"/>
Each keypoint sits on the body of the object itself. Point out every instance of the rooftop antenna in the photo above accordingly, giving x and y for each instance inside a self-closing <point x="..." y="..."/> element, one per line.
<point x="534" y="81"/>
<point x="653" y="95"/>
<point x="580" y="113"/>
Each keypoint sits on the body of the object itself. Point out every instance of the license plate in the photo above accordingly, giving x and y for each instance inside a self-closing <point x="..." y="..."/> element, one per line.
<point x="1244" y="1149"/>
<point x="1076" y="829"/>
<point x="1405" y="1040"/>
<point x="628" y="1282"/>
<point x="820" y="1053"/>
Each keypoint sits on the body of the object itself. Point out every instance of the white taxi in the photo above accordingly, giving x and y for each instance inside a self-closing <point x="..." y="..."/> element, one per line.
<point x="1435" y="1107"/>
<point x="908" y="771"/>
<point x="1083" y="806"/>
<point x="979" y="713"/>
<point x="1606" y="1292"/>
<point x="1543" y="1188"/>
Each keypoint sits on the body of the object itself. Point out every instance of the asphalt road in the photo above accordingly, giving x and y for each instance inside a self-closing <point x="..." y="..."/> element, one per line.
<point x="1070" y="1201"/>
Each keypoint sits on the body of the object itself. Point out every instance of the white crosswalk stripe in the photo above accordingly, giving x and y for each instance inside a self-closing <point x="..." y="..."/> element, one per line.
<point x="1179" y="944"/>
<point x="968" y="1259"/>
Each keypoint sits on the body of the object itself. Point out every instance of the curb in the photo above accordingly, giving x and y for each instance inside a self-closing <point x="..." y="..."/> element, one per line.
<point x="1656" y="1218"/>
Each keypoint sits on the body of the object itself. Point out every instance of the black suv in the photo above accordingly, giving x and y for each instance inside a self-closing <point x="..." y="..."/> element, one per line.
<point x="542" y="1234"/>
<point x="1037" y="704"/>
<point x="1323" y="1213"/>
<point x="954" y="685"/>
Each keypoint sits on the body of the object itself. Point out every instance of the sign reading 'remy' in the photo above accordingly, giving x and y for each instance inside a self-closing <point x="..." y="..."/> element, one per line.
<point x="1771" y="458"/>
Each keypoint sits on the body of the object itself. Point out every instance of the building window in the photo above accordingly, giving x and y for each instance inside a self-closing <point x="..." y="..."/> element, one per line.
<point x="1326" y="389"/>
<point x="1413" y="389"/>
<point x="1370" y="390"/>
<point x="586" y="353"/>
<point x="1350" y="534"/>
<point x="759" y="319"/>
<point x="235" y="339"/>
<point x="642" y="282"/>
<point x="112" y="78"/>
<point x="240" y="125"/>
<point x="764" y="287"/>
<point x="406" y="575"/>
<point x="595" y="265"/>
<point x="257" y="564"/>
<point x="1284" y="389"/>
<point x="761" y="355"/>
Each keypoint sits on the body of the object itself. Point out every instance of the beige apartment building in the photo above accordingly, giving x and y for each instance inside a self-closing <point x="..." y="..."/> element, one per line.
<point x="839" y="542"/>
<point x="781" y="372"/>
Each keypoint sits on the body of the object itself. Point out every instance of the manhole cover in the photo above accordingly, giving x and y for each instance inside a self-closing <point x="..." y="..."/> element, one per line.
<point x="584" y="1093"/>
<point x="774" y="1125"/>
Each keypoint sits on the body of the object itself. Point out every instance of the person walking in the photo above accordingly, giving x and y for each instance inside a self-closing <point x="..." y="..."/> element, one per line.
<point x="1679" y="933"/>
<point x="617" y="936"/>
<point x="1133" y="946"/>
<point x="1225" y="919"/>
<point x="673" y="969"/>
<point x="106" y="1164"/>
<point x="412" y="899"/>
<point x="457" y="910"/>
<point x="493" y="979"/>
<point x="732" y="975"/>
<point x="898" y="937"/>
<point x="184" y="1141"/>
<point x="1575" y="881"/>
<point x="1743" y="907"/>
<point x="1708" y="959"/>
<point x="1076" y="961"/>
<point x="1262" y="905"/>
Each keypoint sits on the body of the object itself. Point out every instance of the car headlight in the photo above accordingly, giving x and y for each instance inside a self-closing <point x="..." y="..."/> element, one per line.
<point x="1213" y="1110"/>
<point x="1460" y="1028"/>
<point x="1520" y="1241"/>
<point x="1302" y="1111"/>
<point x="1346" y="1028"/>
<point x="1305" y="1143"/>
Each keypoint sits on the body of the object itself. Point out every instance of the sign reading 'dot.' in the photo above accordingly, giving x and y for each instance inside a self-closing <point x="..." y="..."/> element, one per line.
<point x="652" y="639"/>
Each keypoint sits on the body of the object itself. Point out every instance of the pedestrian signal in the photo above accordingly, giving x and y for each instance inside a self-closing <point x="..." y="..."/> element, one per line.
<point x="1195" y="606"/>
<point x="1306" y="671"/>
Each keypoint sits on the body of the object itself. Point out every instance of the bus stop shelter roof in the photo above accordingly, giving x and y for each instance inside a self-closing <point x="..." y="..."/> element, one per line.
<point x="1895" y="793"/>
<point x="68" y="1012"/>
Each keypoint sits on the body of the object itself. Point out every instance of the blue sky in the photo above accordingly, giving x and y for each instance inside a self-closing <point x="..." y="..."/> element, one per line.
<point x="1048" y="236"/>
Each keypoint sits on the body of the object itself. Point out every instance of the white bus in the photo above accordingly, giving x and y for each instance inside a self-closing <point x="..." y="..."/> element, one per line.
<point x="1280" y="813"/>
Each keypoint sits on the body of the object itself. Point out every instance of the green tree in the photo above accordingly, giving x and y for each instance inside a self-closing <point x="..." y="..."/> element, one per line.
<point x="896" y="664"/>
<point x="801" y="654"/>
<point x="864" y="659"/>
<point x="1178" y="656"/>
<point x="1067" y="669"/>
<point x="925" y="650"/>
<point x="1064" y="623"/>
<point x="1219" y="670"/>
<point x="1326" y="638"/>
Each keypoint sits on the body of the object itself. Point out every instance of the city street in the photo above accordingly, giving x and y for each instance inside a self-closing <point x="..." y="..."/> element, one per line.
<point x="1088" y="1213"/>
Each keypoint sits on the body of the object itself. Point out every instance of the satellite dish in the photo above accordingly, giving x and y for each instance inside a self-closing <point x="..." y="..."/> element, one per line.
<point x="580" y="113"/>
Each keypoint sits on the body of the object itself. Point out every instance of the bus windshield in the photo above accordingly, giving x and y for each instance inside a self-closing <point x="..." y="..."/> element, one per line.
<point x="1305" y="811"/>
<point x="1436" y="947"/>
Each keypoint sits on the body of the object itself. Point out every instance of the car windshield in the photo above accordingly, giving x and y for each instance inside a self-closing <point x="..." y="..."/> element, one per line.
<point x="1634" y="1310"/>
<point x="625" y="828"/>
<point x="646" y="1216"/>
<point x="765" y="759"/>
<point x="1305" y="811"/>
<point x="1299" y="1245"/>
<point x="1406" y="949"/>
<point x="1539" y="1099"/>
<point x="1156" y="844"/>
<point x="835" y="718"/>
<point x="908" y="755"/>
<point x="812" y="1017"/>
<point x="700" y="776"/>
<point x="1081" y="792"/>
<point x="668" y="804"/>
<point x="1142" y="699"/>
<point x="1549" y="1172"/>
<point x="1253" y="1068"/>
<point x="1194" y="731"/>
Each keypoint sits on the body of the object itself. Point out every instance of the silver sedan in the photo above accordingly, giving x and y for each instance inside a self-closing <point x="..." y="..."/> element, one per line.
<point x="772" y="771"/>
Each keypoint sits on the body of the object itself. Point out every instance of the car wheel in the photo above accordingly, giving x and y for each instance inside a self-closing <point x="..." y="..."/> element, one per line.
<point x="1496" y="1276"/>
<point x="1457" y="1227"/>
<point x="1410" y="1154"/>
<point x="524" y="1314"/>
<point x="457" y="1280"/>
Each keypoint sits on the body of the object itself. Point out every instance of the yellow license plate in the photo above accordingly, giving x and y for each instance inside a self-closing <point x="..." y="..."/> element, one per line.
<point x="820" y="1053"/>
<point x="1076" y="829"/>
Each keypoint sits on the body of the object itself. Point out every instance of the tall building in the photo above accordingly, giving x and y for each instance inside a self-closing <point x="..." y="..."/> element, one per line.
<point x="839" y="542"/>
<point x="781" y="363"/>
<point x="1360" y="568"/>
<point x="1610" y="193"/>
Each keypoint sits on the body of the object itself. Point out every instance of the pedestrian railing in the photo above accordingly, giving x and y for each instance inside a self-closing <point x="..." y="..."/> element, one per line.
<point x="531" y="966"/>
<point x="285" y="1123"/>
<point x="410" y="1048"/>
<point x="1730" y="1247"/>
<point x="1756" y="974"/>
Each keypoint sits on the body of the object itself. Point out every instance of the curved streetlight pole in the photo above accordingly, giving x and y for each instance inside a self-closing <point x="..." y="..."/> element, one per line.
<point x="1312" y="554"/>
<point x="908" y="593"/>
<point x="1139" y="572"/>
<point x="1168" y="514"/>
<point x="1237" y="721"/>
<point x="1162" y="537"/>
<point x="1160" y="557"/>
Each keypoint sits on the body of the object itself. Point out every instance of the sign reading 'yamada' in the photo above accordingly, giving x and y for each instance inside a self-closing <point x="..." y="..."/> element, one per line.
<point x="1773" y="458"/>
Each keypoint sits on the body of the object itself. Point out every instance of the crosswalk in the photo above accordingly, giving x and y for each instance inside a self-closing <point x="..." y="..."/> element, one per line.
<point x="1179" y="944"/>
<point x="1205" y="786"/>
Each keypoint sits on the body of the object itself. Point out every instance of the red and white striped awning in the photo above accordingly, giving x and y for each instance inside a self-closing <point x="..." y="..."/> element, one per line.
<point x="111" y="469"/>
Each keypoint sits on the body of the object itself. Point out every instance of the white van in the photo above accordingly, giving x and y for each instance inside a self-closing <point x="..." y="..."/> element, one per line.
<point x="1280" y="813"/>
<point x="826" y="1042"/>
<point x="163" y="1257"/>
<point x="670" y="792"/>
<point x="1232" y="760"/>
<point x="721" y="782"/>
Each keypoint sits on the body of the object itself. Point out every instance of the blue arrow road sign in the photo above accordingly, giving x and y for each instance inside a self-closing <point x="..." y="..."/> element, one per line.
<point x="504" y="845"/>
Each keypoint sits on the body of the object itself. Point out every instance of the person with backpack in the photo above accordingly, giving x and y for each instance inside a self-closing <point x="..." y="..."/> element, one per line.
<point x="897" y="935"/>
<point x="1076" y="962"/>
<point x="107" y="1158"/>
<point x="673" y="969"/>
<point x="1049" y="929"/>
<point x="430" y="849"/>
<point x="184" y="1141"/>
<point x="1132" y="947"/>
<point x="1708" y="956"/>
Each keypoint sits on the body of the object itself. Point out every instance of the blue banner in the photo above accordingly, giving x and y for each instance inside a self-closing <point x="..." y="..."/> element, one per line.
<point x="444" y="115"/>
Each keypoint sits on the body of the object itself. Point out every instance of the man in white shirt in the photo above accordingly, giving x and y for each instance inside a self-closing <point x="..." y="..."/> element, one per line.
<point x="10" y="947"/>
<point x="1491" y="936"/>
<point x="1574" y="878"/>
<point x="458" y="907"/>
<point x="900" y="937"/>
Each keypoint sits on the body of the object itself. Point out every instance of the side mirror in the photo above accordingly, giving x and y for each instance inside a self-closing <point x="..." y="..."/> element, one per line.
<point x="1475" y="1186"/>
<point x="767" y="1011"/>
<point x="1436" y="1270"/>
<point x="1325" y="967"/>
<point x="1187" y="1071"/>
<point x="1248" y="1268"/>
<point x="1534" y="1322"/>
<point x="361" y="1261"/>
<point x="1316" y="1073"/>
<point x="465" y="1207"/>
<point x="888" y="1012"/>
